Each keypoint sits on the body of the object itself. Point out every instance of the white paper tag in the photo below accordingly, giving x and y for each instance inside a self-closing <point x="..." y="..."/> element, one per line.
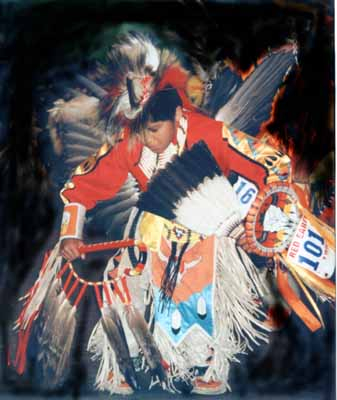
<point x="65" y="218"/>
<point x="309" y="250"/>
<point x="246" y="192"/>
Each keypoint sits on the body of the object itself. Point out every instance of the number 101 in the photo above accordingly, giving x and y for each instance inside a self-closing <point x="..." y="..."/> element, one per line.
<point x="314" y="248"/>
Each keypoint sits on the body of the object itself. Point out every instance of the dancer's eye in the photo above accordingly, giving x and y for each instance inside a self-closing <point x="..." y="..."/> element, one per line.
<point x="152" y="130"/>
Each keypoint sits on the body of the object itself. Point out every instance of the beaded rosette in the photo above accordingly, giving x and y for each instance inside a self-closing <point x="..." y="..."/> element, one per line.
<point x="279" y="226"/>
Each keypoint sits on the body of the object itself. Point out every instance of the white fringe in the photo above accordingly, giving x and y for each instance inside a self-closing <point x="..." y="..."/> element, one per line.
<point x="192" y="351"/>
<point x="52" y="304"/>
<point x="45" y="281"/>
<point x="66" y="340"/>
<point x="108" y="375"/>
<point x="58" y="331"/>
<point x="236" y="320"/>
<point x="237" y="314"/>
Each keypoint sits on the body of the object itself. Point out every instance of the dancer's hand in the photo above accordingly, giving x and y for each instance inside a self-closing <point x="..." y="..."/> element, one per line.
<point x="70" y="249"/>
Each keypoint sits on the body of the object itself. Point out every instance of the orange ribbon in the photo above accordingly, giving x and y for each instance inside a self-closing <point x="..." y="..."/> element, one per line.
<point x="295" y="302"/>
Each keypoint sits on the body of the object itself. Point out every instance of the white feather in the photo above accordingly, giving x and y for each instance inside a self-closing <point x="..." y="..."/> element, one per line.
<point x="152" y="56"/>
<point x="211" y="209"/>
<point x="45" y="280"/>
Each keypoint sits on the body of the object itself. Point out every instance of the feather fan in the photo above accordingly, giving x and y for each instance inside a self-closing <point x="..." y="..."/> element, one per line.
<point x="193" y="192"/>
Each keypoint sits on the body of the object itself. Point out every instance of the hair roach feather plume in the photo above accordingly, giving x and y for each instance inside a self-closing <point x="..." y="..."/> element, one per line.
<point x="193" y="192"/>
<point x="133" y="62"/>
<point x="137" y="67"/>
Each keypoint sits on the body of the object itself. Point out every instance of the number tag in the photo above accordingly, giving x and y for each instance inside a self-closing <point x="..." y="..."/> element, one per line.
<point x="309" y="250"/>
<point x="246" y="192"/>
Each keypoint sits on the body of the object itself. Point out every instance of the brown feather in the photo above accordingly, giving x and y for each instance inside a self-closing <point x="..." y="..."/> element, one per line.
<point x="113" y="329"/>
<point x="145" y="341"/>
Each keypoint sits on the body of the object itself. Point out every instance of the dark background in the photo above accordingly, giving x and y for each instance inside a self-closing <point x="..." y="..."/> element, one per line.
<point x="43" y="43"/>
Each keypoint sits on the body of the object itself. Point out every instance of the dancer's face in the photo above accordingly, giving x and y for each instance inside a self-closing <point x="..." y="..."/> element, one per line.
<point x="158" y="135"/>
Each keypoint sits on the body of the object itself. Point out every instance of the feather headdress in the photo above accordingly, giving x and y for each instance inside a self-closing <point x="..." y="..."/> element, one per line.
<point x="136" y="68"/>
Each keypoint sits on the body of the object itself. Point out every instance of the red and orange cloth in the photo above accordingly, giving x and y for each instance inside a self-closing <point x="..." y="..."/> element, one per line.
<point x="110" y="170"/>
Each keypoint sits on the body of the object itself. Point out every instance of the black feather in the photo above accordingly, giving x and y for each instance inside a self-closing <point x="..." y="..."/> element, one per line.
<point x="180" y="177"/>
<point x="146" y="342"/>
<point x="113" y="329"/>
<point x="169" y="280"/>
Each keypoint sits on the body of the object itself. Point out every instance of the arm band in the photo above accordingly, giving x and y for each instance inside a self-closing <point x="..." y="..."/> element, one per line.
<point x="72" y="221"/>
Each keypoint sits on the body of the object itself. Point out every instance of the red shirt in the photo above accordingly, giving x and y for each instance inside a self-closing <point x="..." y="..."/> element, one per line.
<point x="111" y="170"/>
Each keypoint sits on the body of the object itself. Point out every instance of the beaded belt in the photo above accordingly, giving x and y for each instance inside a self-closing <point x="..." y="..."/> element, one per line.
<point x="152" y="228"/>
<point x="180" y="234"/>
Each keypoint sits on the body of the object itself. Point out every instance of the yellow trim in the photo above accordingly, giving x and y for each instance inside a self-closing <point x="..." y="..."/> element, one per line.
<point x="225" y="132"/>
<point x="152" y="228"/>
<point x="271" y="158"/>
<point x="85" y="167"/>
<point x="325" y="287"/>
<point x="325" y="230"/>
<point x="89" y="164"/>
<point x="294" y="273"/>
<point x="68" y="185"/>
<point x="179" y="233"/>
